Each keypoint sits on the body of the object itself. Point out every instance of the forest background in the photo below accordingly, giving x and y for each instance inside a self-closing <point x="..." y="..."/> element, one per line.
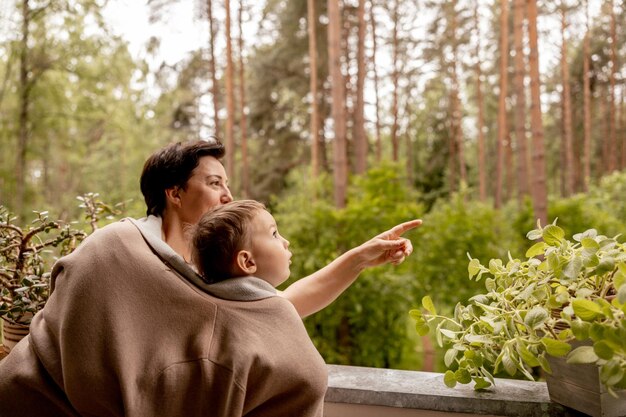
<point x="479" y="116"/>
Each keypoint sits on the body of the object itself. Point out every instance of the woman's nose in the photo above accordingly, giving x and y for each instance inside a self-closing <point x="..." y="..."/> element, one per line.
<point x="227" y="197"/>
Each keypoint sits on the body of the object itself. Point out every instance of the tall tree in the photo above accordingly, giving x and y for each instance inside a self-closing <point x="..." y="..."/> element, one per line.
<point x="25" y="88"/>
<point x="245" y="174"/>
<point x="395" y="77"/>
<point x="456" y="131"/>
<point x="502" y="94"/>
<point x="482" y="166"/>
<point x="586" y="104"/>
<point x="230" y="97"/>
<point x="568" y="141"/>
<point x="212" y="69"/>
<point x="315" y="123"/>
<point x="360" y="138"/>
<point x="376" y="86"/>
<point x="612" y="139"/>
<point x="539" y="189"/>
<point x="340" y="163"/>
<point x="520" y="100"/>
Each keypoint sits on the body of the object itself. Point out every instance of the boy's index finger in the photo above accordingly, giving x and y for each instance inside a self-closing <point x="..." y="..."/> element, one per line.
<point x="402" y="228"/>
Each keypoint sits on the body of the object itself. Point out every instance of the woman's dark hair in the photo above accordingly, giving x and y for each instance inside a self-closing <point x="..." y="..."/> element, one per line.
<point x="219" y="235"/>
<point x="171" y="166"/>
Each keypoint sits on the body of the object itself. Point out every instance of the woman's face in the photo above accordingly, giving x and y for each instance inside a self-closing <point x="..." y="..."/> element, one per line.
<point x="206" y="188"/>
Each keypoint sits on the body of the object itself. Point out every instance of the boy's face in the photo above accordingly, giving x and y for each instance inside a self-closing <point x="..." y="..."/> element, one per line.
<point x="269" y="249"/>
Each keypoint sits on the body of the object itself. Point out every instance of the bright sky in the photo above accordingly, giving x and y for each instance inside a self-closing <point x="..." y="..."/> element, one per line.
<point x="180" y="34"/>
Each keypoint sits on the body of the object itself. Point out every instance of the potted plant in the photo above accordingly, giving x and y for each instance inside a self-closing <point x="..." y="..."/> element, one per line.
<point x="564" y="303"/>
<point x="26" y="255"/>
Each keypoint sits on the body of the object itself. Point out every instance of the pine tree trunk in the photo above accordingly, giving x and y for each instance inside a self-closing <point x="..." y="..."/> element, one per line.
<point x="214" y="84"/>
<point x="395" y="76"/>
<point x="482" y="168"/>
<point x="520" y="102"/>
<point x="586" y="106"/>
<point x="568" y="141"/>
<point x="612" y="165"/>
<point x="457" y="130"/>
<point x="502" y="119"/>
<point x="539" y="189"/>
<point x="24" y="111"/>
<point x="360" y="138"/>
<point x="340" y="163"/>
<point x="245" y="171"/>
<point x="375" y="72"/>
<point x="604" y="127"/>
<point x="315" y="123"/>
<point x="622" y="126"/>
<point x="230" y="99"/>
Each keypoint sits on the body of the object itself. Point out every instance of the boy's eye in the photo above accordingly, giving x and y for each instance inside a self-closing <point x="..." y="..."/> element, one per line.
<point x="275" y="233"/>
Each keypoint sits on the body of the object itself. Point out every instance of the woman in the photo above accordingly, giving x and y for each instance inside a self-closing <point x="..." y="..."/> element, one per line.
<point x="131" y="329"/>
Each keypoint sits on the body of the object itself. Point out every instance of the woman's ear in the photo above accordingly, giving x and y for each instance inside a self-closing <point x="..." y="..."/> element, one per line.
<point x="245" y="262"/>
<point x="172" y="195"/>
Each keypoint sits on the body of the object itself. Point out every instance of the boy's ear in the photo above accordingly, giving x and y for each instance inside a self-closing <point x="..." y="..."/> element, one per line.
<point x="245" y="262"/>
<point x="172" y="195"/>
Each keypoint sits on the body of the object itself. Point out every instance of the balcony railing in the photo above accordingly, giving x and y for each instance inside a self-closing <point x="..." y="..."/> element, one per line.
<point x="368" y="392"/>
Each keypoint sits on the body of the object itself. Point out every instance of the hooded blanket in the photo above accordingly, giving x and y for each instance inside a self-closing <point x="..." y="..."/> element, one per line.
<point x="131" y="330"/>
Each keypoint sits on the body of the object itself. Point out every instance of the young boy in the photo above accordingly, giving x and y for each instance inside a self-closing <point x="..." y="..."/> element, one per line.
<point x="237" y="245"/>
<point x="240" y="239"/>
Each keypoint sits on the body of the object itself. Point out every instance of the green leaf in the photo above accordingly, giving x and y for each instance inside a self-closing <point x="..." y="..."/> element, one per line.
<point x="527" y="356"/>
<point x="534" y="234"/>
<point x="611" y="373"/>
<point x="481" y="383"/>
<point x="536" y="317"/>
<point x="607" y="264"/>
<point x="589" y="243"/>
<point x="449" y="357"/>
<point x="582" y="355"/>
<point x="573" y="268"/>
<point x="591" y="261"/>
<point x="552" y="235"/>
<point x="415" y="314"/>
<point x="449" y="379"/>
<point x="473" y="268"/>
<point x="596" y="331"/>
<point x="603" y="350"/>
<point x="448" y="333"/>
<point x="580" y="329"/>
<point x="428" y="304"/>
<point x="422" y="328"/>
<point x="536" y="249"/>
<point x="621" y="294"/>
<point x="555" y="348"/>
<point x="586" y="309"/>
<point x="509" y="364"/>
<point x="543" y="362"/>
<point x="462" y="376"/>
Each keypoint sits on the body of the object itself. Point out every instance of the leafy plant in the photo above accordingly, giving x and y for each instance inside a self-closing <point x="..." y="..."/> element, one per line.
<point x="25" y="253"/>
<point x="563" y="292"/>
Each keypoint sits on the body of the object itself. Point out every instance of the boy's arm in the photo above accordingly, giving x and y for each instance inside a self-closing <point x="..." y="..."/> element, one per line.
<point x="311" y="294"/>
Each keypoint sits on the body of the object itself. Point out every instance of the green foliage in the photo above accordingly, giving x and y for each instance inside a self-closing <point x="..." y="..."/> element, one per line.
<point x="564" y="290"/>
<point x="27" y="254"/>
<point x="452" y="229"/>
<point x="367" y="325"/>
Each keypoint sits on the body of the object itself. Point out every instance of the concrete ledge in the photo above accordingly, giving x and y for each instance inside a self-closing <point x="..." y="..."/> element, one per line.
<point x="426" y="391"/>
